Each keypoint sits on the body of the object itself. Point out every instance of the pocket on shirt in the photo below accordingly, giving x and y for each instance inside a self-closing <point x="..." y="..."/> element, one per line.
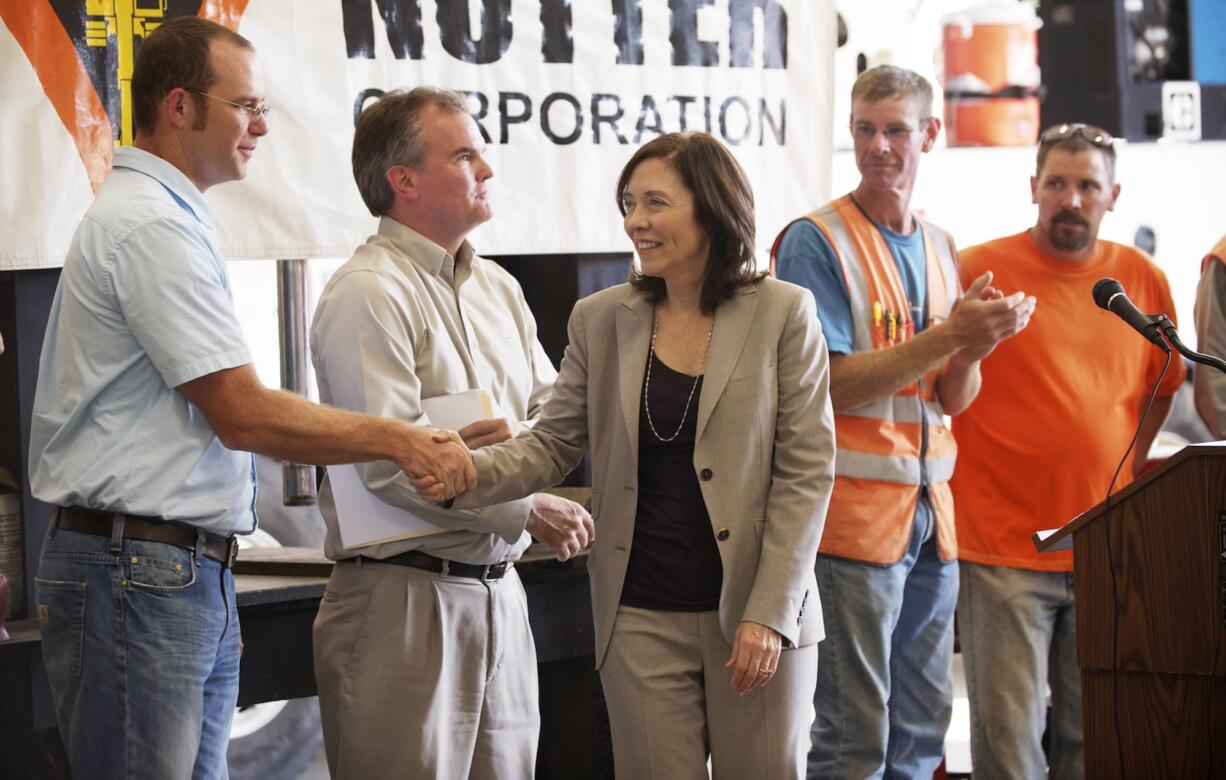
<point x="61" y="619"/>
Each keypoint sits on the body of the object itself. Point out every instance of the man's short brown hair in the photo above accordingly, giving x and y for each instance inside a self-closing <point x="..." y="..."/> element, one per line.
<point x="890" y="81"/>
<point x="390" y="132"/>
<point x="176" y="54"/>
<point x="1074" y="143"/>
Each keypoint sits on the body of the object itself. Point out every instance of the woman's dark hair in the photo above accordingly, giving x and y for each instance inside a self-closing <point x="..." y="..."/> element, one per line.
<point x="723" y="207"/>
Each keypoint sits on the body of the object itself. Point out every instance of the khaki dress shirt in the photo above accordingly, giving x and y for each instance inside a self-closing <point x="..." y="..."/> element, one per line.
<point x="1209" y="383"/>
<point x="403" y="320"/>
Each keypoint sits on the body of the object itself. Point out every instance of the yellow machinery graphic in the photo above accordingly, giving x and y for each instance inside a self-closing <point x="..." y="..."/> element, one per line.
<point x="125" y="21"/>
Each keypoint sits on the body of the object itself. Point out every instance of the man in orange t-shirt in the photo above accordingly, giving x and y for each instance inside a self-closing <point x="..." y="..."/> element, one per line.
<point x="1059" y="403"/>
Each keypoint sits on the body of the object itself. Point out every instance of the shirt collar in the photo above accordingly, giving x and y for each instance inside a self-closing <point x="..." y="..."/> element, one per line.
<point x="169" y="177"/>
<point x="425" y="253"/>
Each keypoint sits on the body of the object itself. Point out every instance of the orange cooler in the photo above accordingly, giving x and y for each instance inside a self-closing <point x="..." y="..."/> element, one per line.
<point x="992" y="121"/>
<point x="991" y="76"/>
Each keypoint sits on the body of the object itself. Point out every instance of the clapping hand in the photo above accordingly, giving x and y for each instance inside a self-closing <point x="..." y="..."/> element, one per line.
<point x="984" y="316"/>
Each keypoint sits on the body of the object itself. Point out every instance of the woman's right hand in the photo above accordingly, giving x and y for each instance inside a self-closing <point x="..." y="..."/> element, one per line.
<point x="755" y="656"/>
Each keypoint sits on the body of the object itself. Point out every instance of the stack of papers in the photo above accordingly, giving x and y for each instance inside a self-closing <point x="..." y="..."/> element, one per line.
<point x="364" y="519"/>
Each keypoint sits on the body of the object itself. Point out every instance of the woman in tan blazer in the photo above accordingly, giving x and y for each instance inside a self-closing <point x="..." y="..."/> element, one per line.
<point x="700" y="388"/>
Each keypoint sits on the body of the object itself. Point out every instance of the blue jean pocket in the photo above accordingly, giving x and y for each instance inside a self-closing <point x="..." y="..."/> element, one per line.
<point x="158" y="567"/>
<point x="61" y="618"/>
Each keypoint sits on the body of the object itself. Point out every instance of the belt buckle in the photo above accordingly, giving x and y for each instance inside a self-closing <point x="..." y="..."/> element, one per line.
<point x="485" y="572"/>
<point x="231" y="552"/>
<point x="499" y="568"/>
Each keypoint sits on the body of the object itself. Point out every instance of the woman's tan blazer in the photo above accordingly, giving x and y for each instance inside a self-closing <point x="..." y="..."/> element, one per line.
<point x="764" y="451"/>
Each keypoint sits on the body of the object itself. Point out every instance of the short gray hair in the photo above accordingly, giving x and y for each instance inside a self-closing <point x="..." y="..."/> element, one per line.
<point x="388" y="133"/>
<point x="890" y="81"/>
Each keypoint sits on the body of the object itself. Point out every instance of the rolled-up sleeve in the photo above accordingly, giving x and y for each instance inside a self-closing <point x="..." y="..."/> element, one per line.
<point x="1209" y="383"/>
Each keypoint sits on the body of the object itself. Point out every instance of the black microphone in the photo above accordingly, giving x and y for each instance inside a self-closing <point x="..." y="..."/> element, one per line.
<point x="1109" y="294"/>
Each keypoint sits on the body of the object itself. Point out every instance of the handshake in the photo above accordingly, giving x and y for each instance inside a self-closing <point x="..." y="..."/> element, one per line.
<point x="441" y="468"/>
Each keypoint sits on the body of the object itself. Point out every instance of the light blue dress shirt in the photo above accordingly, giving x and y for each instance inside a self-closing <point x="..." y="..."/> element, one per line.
<point x="143" y="305"/>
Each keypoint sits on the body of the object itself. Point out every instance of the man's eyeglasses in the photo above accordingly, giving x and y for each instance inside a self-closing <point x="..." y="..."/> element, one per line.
<point x="866" y="131"/>
<point x="1095" y="135"/>
<point x="257" y="112"/>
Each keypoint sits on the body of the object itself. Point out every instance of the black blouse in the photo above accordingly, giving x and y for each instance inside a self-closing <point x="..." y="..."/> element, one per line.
<point x="674" y="562"/>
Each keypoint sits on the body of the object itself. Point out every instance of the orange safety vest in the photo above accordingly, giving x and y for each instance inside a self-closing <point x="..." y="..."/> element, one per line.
<point x="887" y="449"/>
<point x="1217" y="253"/>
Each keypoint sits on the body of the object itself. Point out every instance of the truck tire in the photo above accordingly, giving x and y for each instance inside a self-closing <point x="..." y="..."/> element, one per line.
<point x="282" y="749"/>
<point x="277" y="740"/>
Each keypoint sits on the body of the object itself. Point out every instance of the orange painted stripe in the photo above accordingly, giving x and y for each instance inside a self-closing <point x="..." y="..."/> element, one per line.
<point x="38" y="31"/>
<point x="224" y="12"/>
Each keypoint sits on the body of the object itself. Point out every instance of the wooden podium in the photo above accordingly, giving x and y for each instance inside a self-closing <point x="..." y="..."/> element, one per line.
<point x="1164" y="537"/>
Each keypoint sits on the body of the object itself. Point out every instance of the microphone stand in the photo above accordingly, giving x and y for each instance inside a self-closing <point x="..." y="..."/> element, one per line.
<point x="1172" y="335"/>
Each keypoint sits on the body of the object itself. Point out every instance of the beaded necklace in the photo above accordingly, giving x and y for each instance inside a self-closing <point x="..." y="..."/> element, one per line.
<point x="655" y="323"/>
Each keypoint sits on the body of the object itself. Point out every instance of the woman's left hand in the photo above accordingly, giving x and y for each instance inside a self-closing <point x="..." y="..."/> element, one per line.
<point x="755" y="656"/>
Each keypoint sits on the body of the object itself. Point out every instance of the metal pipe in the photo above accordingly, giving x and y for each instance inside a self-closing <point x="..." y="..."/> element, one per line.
<point x="297" y="479"/>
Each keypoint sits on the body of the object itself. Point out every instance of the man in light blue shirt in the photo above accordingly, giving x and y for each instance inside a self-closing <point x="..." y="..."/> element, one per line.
<point x="805" y="257"/>
<point x="145" y="412"/>
<point x="144" y="306"/>
<point x="902" y="336"/>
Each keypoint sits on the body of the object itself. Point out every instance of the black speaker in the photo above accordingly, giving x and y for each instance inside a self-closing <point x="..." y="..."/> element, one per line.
<point x="1104" y="63"/>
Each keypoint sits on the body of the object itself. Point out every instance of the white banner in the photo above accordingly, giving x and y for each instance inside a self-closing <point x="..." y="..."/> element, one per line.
<point x="564" y="91"/>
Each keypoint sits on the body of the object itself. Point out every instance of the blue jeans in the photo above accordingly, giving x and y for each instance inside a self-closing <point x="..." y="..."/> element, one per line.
<point x="884" y="686"/>
<point x="141" y="645"/>
<point x="1019" y="634"/>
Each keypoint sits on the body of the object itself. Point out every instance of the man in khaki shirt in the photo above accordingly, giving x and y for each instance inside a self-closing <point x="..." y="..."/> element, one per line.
<point x="423" y="653"/>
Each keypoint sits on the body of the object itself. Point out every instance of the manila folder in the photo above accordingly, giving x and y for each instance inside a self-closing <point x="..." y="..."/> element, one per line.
<point x="364" y="519"/>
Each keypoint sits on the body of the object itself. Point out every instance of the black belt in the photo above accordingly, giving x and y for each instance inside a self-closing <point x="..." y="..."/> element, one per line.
<point x="420" y="560"/>
<point x="147" y="529"/>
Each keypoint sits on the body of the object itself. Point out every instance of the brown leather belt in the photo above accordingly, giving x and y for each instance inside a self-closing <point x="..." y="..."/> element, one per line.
<point x="223" y="549"/>
<point x="420" y="560"/>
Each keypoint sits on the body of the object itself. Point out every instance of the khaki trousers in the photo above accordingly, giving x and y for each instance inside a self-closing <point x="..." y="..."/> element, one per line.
<point x="425" y="676"/>
<point x="671" y="703"/>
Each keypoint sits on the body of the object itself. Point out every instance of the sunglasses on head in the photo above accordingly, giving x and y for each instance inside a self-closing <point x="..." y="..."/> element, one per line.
<point x="1095" y="135"/>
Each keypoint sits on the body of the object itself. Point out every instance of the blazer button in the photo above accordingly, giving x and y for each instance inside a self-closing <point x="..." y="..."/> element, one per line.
<point x="706" y="475"/>
<point x="722" y="534"/>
